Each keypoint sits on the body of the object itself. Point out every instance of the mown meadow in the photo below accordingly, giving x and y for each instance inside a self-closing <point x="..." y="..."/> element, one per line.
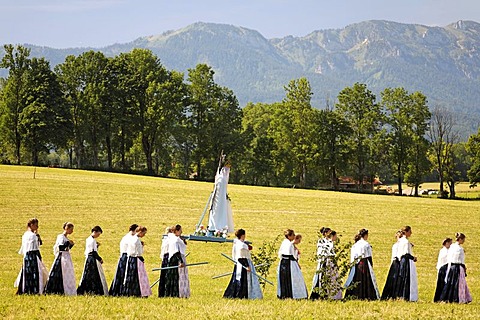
<point x="114" y="201"/>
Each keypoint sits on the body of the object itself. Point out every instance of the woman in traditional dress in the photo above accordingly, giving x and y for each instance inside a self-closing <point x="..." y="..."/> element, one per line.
<point x="393" y="271"/>
<point x="325" y="284"/>
<point x="456" y="289"/>
<point x="117" y="283"/>
<point x="296" y="252"/>
<point x="442" y="265"/>
<point x="406" y="285"/>
<point x="93" y="278"/>
<point x="164" y="256"/>
<point x="33" y="275"/>
<point x="177" y="283"/>
<point x="361" y="275"/>
<point x="243" y="284"/>
<point x="62" y="276"/>
<point x="289" y="276"/>
<point x="136" y="279"/>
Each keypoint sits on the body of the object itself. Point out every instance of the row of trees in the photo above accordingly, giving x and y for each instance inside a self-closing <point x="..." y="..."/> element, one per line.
<point x="129" y="113"/>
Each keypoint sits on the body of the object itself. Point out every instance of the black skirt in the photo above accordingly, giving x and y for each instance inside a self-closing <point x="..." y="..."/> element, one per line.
<point x="285" y="277"/>
<point x="163" y="273"/>
<point x="30" y="278"/>
<point x="117" y="283"/>
<point x="131" y="286"/>
<point x="364" y="287"/>
<point x="238" y="288"/>
<point x="91" y="282"/>
<point x="402" y="285"/>
<point x="450" y="290"/>
<point x="391" y="282"/>
<point x="55" y="278"/>
<point x="171" y="276"/>
<point x="442" y="273"/>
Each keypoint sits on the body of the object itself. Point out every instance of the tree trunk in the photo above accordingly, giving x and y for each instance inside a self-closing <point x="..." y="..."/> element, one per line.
<point x="399" y="176"/>
<point x="108" y="144"/>
<point x="452" y="189"/>
<point x="18" y="143"/>
<point x="147" y="149"/>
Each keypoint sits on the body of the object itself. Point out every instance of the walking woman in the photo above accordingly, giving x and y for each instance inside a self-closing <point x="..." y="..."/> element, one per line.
<point x="390" y="283"/>
<point x="33" y="275"/>
<point x="177" y="283"/>
<point x="406" y="286"/>
<point x="93" y="278"/>
<point x="456" y="289"/>
<point x="62" y="276"/>
<point x="325" y="284"/>
<point x="136" y="279"/>
<point x="361" y="275"/>
<point x="243" y="284"/>
<point x="442" y="265"/>
<point x="289" y="276"/>
<point x="117" y="283"/>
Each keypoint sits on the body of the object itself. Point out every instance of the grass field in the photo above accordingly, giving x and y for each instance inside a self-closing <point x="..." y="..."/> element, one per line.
<point x="114" y="201"/>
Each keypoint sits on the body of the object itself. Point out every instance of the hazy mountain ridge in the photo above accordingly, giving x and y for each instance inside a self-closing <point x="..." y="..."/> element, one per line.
<point x="442" y="62"/>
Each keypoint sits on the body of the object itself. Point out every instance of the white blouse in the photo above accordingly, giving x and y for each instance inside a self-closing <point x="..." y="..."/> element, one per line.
<point x="29" y="242"/>
<point x="286" y="248"/>
<point x="361" y="249"/>
<point x="175" y="244"/>
<point x="394" y="250"/>
<point x="404" y="247"/>
<point x="442" y="258"/>
<point x="134" y="247"/>
<point x="124" y="242"/>
<point x="240" y="250"/>
<point x="61" y="240"/>
<point x="164" y="247"/>
<point x="90" y="245"/>
<point x="456" y="254"/>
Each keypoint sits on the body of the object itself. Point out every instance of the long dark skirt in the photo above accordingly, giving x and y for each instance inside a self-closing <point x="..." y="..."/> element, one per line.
<point x="456" y="289"/>
<point x="391" y="282"/>
<point x="402" y="286"/>
<point x="91" y="282"/>
<point x="55" y="279"/>
<point x="172" y="276"/>
<point x="285" y="278"/>
<point x="131" y="286"/>
<point x="238" y="288"/>
<point x="117" y="283"/>
<point x="163" y="273"/>
<point x="442" y="274"/>
<point x="30" y="275"/>
<point x="364" y="287"/>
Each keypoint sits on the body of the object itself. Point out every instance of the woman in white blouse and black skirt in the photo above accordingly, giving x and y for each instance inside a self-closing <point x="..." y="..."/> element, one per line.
<point x="456" y="289"/>
<point x="442" y="265"/>
<point x="62" y="276"/>
<point x="93" y="278"/>
<point x="33" y="276"/>
<point x="243" y="284"/>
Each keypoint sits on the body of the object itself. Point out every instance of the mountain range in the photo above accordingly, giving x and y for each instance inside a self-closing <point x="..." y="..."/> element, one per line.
<point x="441" y="62"/>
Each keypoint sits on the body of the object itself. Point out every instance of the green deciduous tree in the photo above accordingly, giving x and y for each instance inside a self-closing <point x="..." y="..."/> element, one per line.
<point x="16" y="60"/>
<point x="357" y="106"/>
<point x="473" y="149"/>
<point x="214" y="120"/>
<point x="44" y="119"/>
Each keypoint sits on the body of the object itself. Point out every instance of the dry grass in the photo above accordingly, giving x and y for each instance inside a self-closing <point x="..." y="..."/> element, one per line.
<point x="114" y="201"/>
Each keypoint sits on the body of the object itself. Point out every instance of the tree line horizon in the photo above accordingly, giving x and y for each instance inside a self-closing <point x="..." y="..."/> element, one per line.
<point x="128" y="113"/>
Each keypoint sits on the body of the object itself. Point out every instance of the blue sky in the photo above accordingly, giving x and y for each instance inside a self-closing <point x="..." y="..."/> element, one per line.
<point x="97" y="23"/>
